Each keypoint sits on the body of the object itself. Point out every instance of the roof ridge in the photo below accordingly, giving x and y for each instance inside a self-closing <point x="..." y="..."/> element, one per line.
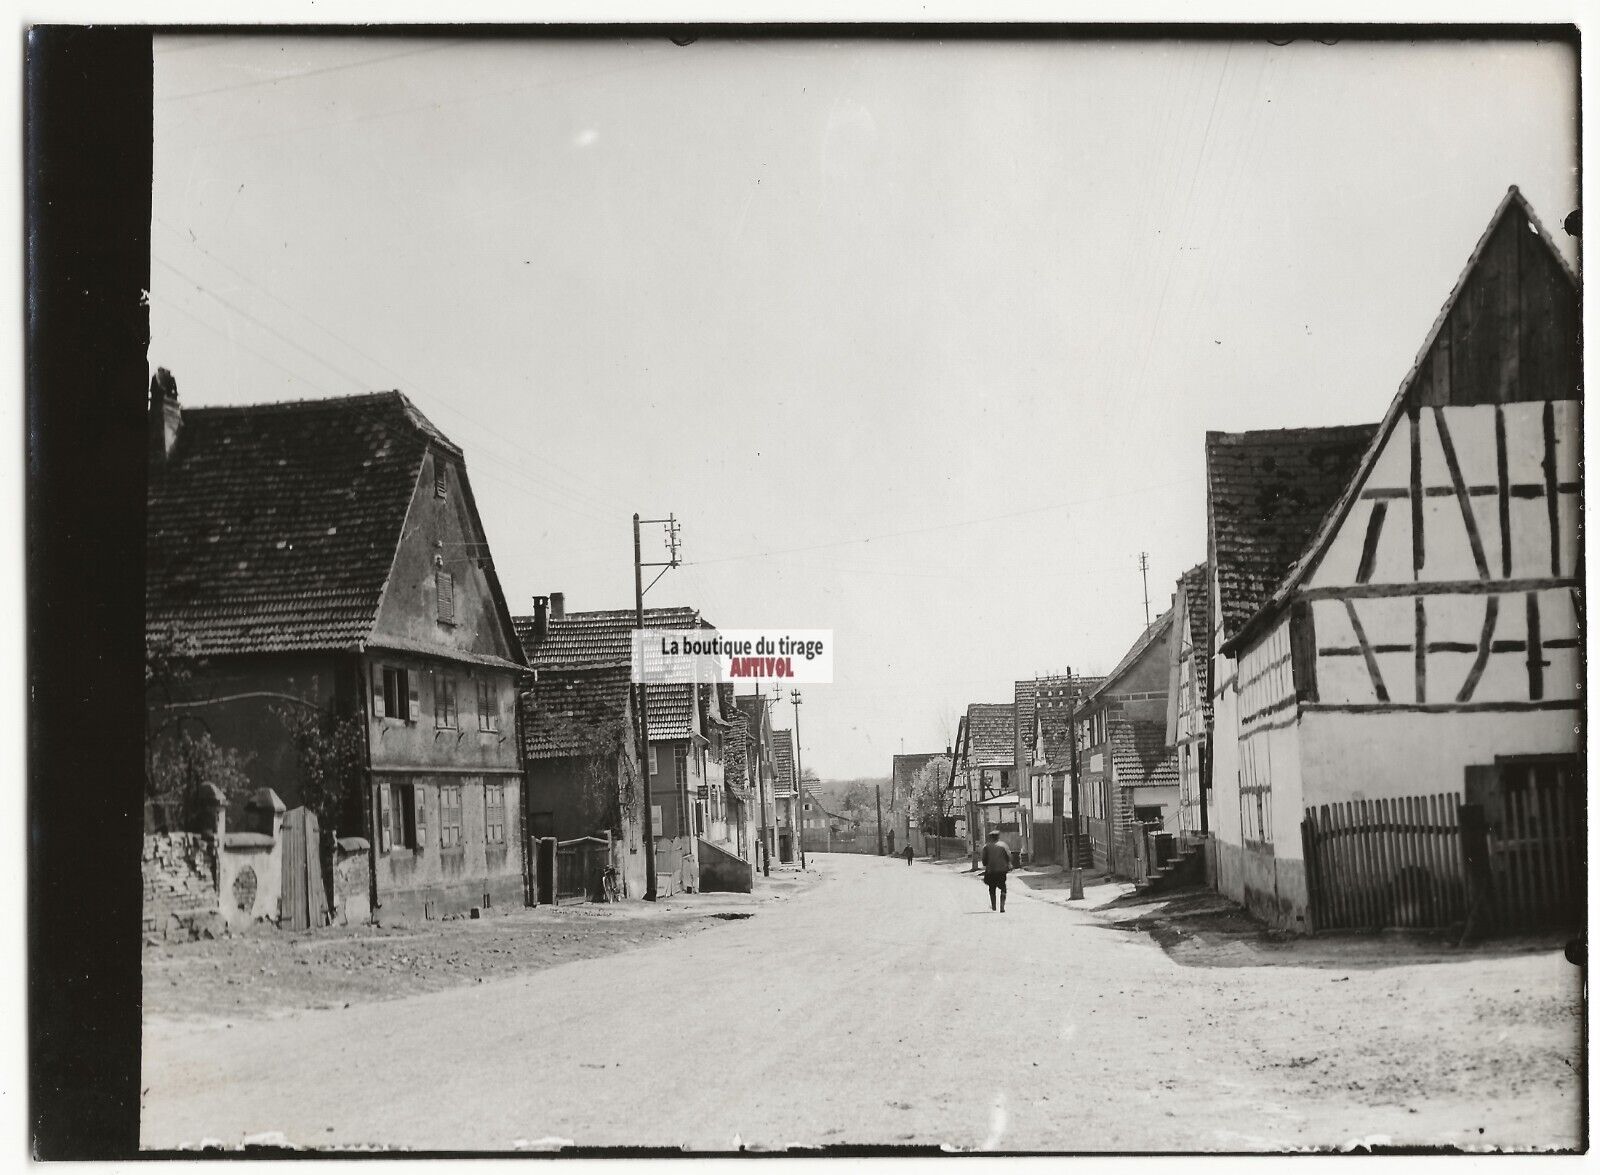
<point x="283" y="407"/>
<point x="1322" y="533"/>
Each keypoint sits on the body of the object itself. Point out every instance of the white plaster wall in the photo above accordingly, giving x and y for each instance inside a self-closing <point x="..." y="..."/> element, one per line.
<point x="268" y="866"/>
<point x="1382" y="755"/>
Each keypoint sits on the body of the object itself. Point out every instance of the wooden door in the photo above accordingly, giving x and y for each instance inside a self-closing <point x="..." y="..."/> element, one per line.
<point x="304" y="903"/>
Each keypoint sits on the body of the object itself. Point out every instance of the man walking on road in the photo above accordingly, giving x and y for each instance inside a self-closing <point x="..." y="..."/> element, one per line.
<point x="996" y="860"/>
<point x="908" y="854"/>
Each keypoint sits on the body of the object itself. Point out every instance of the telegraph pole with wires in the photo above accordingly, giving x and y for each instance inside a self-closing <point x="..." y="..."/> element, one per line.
<point x="639" y="700"/>
<point x="1076" y="893"/>
<point x="1144" y="576"/>
<point x="799" y="780"/>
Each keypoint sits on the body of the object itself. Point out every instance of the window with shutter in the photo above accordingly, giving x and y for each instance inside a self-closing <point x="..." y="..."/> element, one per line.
<point x="487" y="718"/>
<point x="378" y="707"/>
<point x="445" y="591"/>
<point x="450" y="816"/>
<point x="398" y="698"/>
<point x="494" y="813"/>
<point x="444" y="701"/>
<point x="441" y="478"/>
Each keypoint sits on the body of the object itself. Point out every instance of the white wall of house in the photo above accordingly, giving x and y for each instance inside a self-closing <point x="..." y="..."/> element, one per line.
<point x="1225" y="824"/>
<point x="1383" y="755"/>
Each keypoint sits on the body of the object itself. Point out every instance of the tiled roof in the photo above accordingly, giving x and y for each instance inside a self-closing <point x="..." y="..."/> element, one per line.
<point x="783" y="753"/>
<point x="1140" y="755"/>
<point x="1022" y="696"/>
<point x="561" y="715"/>
<point x="1513" y="220"/>
<point x="1268" y="492"/>
<point x="735" y="760"/>
<point x="905" y="772"/>
<point x="991" y="727"/>
<point x="1056" y="731"/>
<point x="272" y="527"/>
<point x="670" y="707"/>
<point x="1195" y="585"/>
<point x="584" y="640"/>
<point x="1159" y="628"/>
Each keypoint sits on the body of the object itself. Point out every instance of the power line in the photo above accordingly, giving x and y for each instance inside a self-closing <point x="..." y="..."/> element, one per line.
<point x="486" y="456"/>
<point x="941" y="526"/>
<point x="291" y="77"/>
<point x="591" y="499"/>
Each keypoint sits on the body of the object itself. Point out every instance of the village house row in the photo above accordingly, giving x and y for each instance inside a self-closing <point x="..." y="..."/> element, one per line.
<point x="1371" y="688"/>
<point x="327" y="635"/>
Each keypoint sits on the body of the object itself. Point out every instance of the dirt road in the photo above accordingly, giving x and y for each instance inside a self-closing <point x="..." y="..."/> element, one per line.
<point x="888" y="1005"/>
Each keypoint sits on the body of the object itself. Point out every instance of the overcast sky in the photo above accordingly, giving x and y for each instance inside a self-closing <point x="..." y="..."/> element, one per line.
<point x="919" y="341"/>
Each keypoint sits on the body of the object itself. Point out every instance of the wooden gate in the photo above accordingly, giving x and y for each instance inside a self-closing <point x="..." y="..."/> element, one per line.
<point x="304" y="903"/>
<point x="1534" y="840"/>
<point x="544" y="873"/>
<point x="580" y="866"/>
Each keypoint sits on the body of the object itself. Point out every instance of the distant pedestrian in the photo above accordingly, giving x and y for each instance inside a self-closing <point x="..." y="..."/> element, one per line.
<point x="996" y="860"/>
<point x="908" y="854"/>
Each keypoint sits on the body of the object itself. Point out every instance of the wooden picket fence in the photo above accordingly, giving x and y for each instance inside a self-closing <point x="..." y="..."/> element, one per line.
<point x="1390" y="862"/>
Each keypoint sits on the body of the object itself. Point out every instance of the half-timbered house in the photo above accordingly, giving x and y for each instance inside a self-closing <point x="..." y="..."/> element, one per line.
<point x="1189" y="702"/>
<point x="1426" y="640"/>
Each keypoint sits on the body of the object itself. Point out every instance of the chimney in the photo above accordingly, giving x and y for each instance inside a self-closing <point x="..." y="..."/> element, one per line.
<point x="165" y="417"/>
<point x="541" y="619"/>
<point x="558" y="605"/>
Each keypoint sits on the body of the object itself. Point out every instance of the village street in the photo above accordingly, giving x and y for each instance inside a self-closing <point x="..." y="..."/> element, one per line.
<point x="886" y="1004"/>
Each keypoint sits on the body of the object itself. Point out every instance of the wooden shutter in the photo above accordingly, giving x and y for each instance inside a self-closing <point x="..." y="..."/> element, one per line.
<point x="377" y="691"/>
<point x="420" y="814"/>
<point x="383" y="818"/>
<point x="1303" y="651"/>
<point x="445" y="595"/>
<point x="415" y="705"/>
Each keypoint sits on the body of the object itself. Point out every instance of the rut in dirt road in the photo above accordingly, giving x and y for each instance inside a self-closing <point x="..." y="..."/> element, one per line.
<point x="890" y="1005"/>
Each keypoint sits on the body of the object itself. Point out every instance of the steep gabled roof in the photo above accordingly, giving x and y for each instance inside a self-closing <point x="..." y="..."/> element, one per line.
<point x="586" y="640"/>
<point x="735" y="753"/>
<point x="1140" y="755"/>
<point x="670" y="708"/>
<point x="991" y="728"/>
<point x="783" y="753"/>
<point x="562" y="716"/>
<point x="1557" y="378"/>
<point x="1022" y="702"/>
<point x="905" y="771"/>
<point x="1267" y="493"/>
<point x="1195" y="585"/>
<point x="273" y="527"/>
<point x="1160" y="627"/>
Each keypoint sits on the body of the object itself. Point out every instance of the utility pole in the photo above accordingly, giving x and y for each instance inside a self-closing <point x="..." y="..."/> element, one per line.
<point x="877" y="793"/>
<point x="799" y="780"/>
<point x="1076" y="894"/>
<point x="761" y="801"/>
<point x="640" y="701"/>
<point x="1144" y="575"/>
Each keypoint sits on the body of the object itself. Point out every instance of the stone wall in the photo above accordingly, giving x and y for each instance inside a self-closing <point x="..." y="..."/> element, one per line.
<point x="352" y="881"/>
<point x="180" y="885"/>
